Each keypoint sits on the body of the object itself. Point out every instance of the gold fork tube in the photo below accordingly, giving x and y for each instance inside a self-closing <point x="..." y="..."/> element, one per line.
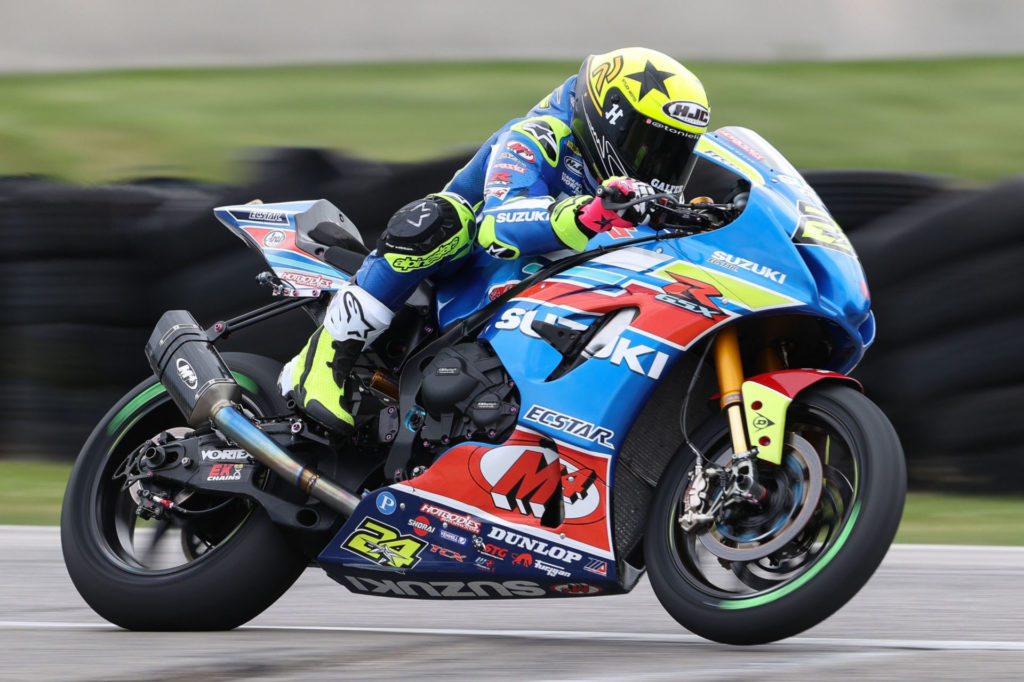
<point x="730" y="381"/>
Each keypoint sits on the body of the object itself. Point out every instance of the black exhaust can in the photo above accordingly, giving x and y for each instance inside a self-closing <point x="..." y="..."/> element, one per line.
<point x="189" y="367"/>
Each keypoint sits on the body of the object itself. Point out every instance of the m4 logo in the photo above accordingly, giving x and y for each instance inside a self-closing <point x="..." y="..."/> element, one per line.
<point x="384" y="545"/>
<point x="533" y="481"/>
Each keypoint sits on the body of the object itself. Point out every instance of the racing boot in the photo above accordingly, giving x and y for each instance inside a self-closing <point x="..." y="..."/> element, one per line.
<point x="316" y="377"/>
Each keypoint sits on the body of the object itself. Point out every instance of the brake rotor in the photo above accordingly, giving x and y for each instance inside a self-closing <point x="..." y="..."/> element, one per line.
<point x="793" y="518"/>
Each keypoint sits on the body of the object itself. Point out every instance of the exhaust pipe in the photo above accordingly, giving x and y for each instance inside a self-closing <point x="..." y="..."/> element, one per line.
<point x="203" y="388"/>
<point x="234" y="424"/>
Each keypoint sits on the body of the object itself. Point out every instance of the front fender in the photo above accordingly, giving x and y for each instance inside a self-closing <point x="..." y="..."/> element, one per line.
<point x="766" y="397"/>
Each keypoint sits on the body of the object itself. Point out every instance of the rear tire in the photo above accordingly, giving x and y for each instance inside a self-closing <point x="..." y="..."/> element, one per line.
<point x="859" y="502"/>
<point x="233" y="567"/>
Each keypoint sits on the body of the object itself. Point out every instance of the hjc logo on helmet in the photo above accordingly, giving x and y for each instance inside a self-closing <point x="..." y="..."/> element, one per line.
<point x="690" y="113"/>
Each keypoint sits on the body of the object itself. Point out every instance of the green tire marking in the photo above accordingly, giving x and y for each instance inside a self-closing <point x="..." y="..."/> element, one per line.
<point x="155" y="390"/>
<point x="246" y="383"/>
<point x="751" y="602"/>
<point x="135" y="403"/>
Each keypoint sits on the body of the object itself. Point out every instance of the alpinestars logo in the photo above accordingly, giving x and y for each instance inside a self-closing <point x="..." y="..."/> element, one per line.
<point x="544" y="135"/>
<point x="497" y="250"/>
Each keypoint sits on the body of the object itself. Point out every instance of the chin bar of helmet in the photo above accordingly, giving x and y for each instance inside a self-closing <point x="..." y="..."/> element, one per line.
<point x="235" y="426"/>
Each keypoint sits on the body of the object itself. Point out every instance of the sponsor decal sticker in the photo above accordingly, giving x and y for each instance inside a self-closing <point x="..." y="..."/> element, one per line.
<point x="693" y="295"/>
<point x="226" y="455"/>
<point x="421" y="526"/>
<point x="553" y="570"/>
<point x="186" y="373"/>
<point x="386" y="503"/>
<point x="534" y="546"/>
<point x="597" y="567"/>
<point x="731" y="262"/>
<point x="267" y="216"/>
<point x="522" y="559"/>
<point x="275" y="238"/>
<point x="453" y="537"/>
<point x="571" y="425"/>
<point x="575" y="589"/>
<point x="574" y="164"/>
<point x="690" y="113"/>
<point x="500" y="178"/>
<point x="637" y="357"/>
<point x="448" y="553"/>
<point x="521" y="151"/>
<point x="225" y="472"/>
<point x="383" y="545"/>
<point x="304" y="279"/>
<point x="490" y="549"/>
<point x="521" y="216"/>
<point x="463" y="521"/>
<point x="498" y="289"/>
<point x="444" y="589"/>
<point x="512" y="167"/>
<point x="665" y="187"/>
<point x="736" y="141"/>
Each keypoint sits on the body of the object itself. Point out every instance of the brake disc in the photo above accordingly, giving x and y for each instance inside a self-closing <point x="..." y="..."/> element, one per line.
<point x="802" y="454"/>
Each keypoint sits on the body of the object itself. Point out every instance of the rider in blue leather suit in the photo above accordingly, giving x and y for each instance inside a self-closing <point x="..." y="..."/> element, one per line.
<point x="629" y="121"/>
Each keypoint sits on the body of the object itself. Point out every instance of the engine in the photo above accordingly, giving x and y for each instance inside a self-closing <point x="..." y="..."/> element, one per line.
<point x="467" y="394"/>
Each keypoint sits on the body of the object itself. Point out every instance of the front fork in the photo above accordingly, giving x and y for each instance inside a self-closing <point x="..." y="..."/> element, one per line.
<point x="736" y="479"/>
<point x="730" y="381"/>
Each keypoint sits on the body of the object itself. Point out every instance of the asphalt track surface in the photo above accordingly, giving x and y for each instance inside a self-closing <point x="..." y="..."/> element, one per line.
<point x="931" y="612"/>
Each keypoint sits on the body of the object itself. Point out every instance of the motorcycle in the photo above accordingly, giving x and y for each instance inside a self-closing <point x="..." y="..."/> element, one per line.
<point x="674" y="400"/>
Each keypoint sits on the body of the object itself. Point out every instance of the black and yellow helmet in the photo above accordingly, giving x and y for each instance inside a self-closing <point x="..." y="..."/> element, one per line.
<point x="638" y="113"/>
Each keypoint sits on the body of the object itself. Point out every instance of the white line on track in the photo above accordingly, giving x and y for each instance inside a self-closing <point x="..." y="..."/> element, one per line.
<point x="926" y="644"/>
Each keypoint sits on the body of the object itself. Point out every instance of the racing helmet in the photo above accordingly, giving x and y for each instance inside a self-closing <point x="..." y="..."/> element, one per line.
<point x="638" y="113"/>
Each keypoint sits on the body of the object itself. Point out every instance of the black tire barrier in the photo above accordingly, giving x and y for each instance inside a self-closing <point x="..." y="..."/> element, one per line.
<point x="73" y="355"/>
<point x="928" y="236"/>
<point x="87" y="291"/>
<point x="857" y="197"/>
<point x="964" y="293"/>
<point x="48" y="220"/>
<point x="87" y="271"/>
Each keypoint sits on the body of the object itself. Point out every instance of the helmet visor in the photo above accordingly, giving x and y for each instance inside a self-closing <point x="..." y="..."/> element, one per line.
<point x="657" y="154"/>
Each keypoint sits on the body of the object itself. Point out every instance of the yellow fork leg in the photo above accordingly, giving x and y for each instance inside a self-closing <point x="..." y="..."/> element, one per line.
<point x="730" y="380"/>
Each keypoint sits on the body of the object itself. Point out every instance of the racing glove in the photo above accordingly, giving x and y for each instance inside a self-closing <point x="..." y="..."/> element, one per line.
<point x="591" y="214"/>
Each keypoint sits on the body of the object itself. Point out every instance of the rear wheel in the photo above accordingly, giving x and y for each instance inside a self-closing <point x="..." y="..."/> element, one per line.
<point x="759" y="573"/>
<point x="215" y="568"/>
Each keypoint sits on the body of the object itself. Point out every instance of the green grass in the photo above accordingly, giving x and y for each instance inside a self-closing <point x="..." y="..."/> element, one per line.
<point x="959" y="117"/>
<point x="30" y="494"/>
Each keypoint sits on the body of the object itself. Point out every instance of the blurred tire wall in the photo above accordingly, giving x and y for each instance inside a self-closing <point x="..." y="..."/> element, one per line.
<point x="86" y="272"/>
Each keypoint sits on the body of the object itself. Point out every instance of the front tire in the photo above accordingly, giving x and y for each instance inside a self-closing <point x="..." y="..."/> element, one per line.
<point x="214" y="574"/>
<point x="721" y="582"/>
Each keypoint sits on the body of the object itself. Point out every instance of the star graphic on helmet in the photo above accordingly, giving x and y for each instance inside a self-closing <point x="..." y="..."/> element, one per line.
<point x="651" y="79"/>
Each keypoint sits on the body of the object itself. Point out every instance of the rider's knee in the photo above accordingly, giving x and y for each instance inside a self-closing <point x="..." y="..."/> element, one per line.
<point x="428" y="232"/>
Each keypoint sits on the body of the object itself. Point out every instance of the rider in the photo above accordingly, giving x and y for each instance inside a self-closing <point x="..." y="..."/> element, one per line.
<point x="628" y="121"/>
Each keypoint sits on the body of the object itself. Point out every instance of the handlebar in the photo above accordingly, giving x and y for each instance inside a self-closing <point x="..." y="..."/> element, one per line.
<point x="663" y="206"/>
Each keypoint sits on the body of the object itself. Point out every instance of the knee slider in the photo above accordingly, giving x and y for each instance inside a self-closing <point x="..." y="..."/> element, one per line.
<point x="427" y="231"/>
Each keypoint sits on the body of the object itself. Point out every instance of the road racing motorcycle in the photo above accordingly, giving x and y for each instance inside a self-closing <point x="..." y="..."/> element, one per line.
<point x="674" y="400"/>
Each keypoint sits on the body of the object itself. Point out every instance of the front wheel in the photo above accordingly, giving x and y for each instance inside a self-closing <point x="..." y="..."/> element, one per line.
<point x="221" y="566"/>
<point x="760" y="573"/>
